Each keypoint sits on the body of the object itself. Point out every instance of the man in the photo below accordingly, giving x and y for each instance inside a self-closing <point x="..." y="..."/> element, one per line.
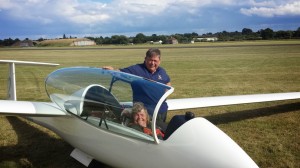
<point x="150" y="69"/>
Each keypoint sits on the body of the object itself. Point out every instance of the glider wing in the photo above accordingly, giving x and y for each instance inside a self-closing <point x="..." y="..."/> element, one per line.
<point x="188" y="103"/>
<point x="26" y="108"/>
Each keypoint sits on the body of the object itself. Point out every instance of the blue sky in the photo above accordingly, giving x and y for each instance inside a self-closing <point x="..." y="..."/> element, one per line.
<point x="78" y="18"/>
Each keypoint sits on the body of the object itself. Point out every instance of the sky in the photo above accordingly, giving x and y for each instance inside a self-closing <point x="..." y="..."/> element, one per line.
<point x="36" y="19"/>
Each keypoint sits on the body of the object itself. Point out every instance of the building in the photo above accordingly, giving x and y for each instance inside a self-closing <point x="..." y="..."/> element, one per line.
<point x="205" y="39"/>
<point x="172" y="40"/>
<point x="156" y="42"/>
<point x="24" y="43"/>
<point x="83" y="42"/>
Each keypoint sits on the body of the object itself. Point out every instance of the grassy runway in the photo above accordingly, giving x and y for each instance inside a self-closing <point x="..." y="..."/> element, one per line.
<point x="268" y="132"/>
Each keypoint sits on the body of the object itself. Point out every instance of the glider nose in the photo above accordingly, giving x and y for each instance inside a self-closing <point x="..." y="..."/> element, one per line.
<point x="210" y="147"/>
<point x="223" y="149"/>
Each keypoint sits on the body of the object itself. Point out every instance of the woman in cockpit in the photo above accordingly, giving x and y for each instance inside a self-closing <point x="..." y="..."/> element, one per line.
<point x="141" y="120"/>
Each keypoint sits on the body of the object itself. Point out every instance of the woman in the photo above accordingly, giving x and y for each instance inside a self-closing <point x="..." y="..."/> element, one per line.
<point x="141" y="121"/>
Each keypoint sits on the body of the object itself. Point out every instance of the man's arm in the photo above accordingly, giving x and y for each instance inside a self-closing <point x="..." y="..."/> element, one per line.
<point x="110" y="68"/>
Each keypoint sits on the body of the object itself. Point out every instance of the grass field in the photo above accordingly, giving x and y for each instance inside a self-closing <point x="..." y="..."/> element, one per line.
<point x="268" y="132"/>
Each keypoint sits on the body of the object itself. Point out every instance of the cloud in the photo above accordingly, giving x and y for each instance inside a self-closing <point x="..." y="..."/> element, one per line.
<point x="79" y="13"/>
<point x="130" y="12"/>
<point x="93" y="11"/>
<point x="292" y="8"/>
<point x="49" y="11"/>
<point x="32" y="17"/>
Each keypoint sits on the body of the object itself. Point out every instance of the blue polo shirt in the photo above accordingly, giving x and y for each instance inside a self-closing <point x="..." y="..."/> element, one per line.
<point x="160" y="75"/>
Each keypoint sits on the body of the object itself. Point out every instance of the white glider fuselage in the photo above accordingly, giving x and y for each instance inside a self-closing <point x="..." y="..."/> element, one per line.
<point x="87" y="112"/>
<point x="198" y="143"/>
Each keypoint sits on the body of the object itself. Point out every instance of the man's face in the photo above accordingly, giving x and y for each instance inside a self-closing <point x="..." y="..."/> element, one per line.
<point x="152" y="63"/>
<point x="140" y="118"/>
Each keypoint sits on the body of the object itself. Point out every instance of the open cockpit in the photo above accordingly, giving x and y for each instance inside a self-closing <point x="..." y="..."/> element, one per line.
<point x="100" y="97"/>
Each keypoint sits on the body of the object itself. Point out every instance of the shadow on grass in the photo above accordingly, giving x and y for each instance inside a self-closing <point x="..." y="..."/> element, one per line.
<point x="36" y="148"/>
<point x="249" y="114"/>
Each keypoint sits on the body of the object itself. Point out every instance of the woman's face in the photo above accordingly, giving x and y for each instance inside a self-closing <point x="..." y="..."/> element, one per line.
<point x="140" y="118"/>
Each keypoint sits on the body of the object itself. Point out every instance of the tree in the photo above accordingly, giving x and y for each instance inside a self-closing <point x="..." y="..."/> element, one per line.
<point x="40" y="39"/>
<point x="163" y="38"/>
<point x="245" y="34"/>
<point x="119" y="39"/>
<point x="208" y="35"/>
<point x="154" y="37"/>
<point x="223" y="36"/>
<point x="140" y="38"/>
<point x="8" y="42"/>
<point x="194" y="35"/>
<point x="267" y="34"/>
<point x="107" y="40"/>
<point x="297" y="33"/>
<point x="246" y="31"/>
<point x="99" y="40"/>
<point x="283" y="34"/>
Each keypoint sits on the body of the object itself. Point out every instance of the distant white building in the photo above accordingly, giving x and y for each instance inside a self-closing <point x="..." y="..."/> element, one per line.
<point x="156" y="42"/>
<point x="211" y="39"/>
<point x="83" y="42"/>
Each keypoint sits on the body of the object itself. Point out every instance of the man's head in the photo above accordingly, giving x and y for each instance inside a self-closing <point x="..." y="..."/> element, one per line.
<point x="152" y="59"/>
<point x="139" y="114"/>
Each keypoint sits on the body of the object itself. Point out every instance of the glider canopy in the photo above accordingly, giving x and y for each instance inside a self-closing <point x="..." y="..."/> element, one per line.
<point x="100" y="96"/>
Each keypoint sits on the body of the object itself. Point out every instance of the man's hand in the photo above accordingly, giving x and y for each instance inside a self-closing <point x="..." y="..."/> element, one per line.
<point x="108" y="67"/>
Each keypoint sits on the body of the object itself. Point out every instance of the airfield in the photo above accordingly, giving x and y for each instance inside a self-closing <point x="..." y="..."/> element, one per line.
<point x="268" y="132"/>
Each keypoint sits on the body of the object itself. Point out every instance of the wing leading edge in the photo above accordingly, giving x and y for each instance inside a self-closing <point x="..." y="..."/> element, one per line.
<point x="26" y="108"/>
<point x="188" y="103"/>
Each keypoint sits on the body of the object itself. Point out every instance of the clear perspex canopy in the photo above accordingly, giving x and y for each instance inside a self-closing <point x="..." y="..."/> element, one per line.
<point x="100" y="96"/>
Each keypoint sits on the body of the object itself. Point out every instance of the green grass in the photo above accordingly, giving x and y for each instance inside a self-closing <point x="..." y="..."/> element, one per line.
<point x="268" y="132"/>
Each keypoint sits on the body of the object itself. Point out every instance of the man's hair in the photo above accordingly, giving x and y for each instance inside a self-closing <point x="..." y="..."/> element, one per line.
<point x="153" y="52"/>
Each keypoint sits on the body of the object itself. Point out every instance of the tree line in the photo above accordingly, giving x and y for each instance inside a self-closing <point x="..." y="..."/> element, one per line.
<point x="140" y="38"/>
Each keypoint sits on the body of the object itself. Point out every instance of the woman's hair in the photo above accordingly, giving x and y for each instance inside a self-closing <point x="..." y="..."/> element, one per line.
<point x="137" y="107"/>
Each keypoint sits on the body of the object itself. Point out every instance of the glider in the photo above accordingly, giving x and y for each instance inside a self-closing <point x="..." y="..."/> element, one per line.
<point x="87" y="112"/>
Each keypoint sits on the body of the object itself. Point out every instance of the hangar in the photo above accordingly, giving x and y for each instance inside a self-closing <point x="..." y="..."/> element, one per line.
<point x="83" y="42"/>
<point x="24" y="43"/>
